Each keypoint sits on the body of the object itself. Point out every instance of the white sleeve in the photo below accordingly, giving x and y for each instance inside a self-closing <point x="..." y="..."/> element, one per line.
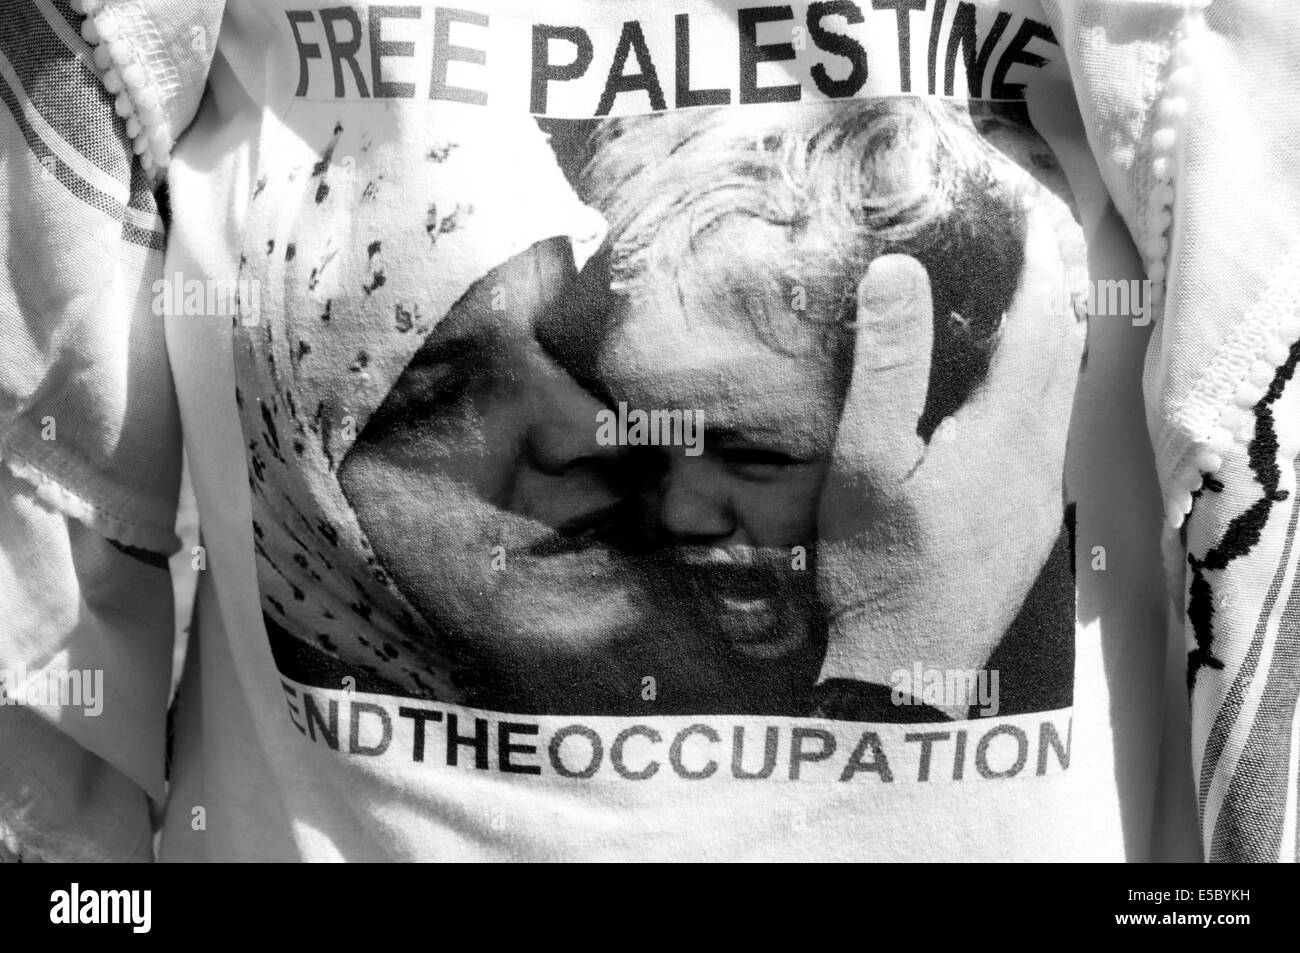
<point x="90" y="450"/>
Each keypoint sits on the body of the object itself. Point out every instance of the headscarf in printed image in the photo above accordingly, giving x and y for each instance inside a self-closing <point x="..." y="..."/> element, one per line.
<point x="366" y="227"/>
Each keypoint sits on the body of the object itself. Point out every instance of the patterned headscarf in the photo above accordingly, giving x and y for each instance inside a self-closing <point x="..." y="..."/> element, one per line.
<point x="366" y="228"/>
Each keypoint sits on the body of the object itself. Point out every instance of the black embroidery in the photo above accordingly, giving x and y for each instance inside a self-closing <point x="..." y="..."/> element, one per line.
<point x="1244" y="530"/>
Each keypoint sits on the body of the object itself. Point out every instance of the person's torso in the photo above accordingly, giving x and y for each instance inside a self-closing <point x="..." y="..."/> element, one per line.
<point x="503" y="338"/>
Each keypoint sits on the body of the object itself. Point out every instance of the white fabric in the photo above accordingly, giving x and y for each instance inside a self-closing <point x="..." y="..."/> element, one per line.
<point x="1226" y="261"/>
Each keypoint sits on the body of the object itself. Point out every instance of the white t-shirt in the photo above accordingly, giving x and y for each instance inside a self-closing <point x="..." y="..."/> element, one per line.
<point x="325" y="705"/>
<point x="713" y="433"/>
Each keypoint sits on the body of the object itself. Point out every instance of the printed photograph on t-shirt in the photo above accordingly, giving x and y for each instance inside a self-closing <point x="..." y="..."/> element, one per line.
<point x="682" y="408"/>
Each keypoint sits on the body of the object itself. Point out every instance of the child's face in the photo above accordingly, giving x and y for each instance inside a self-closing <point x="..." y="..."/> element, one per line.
<point x="770" y="404"/>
